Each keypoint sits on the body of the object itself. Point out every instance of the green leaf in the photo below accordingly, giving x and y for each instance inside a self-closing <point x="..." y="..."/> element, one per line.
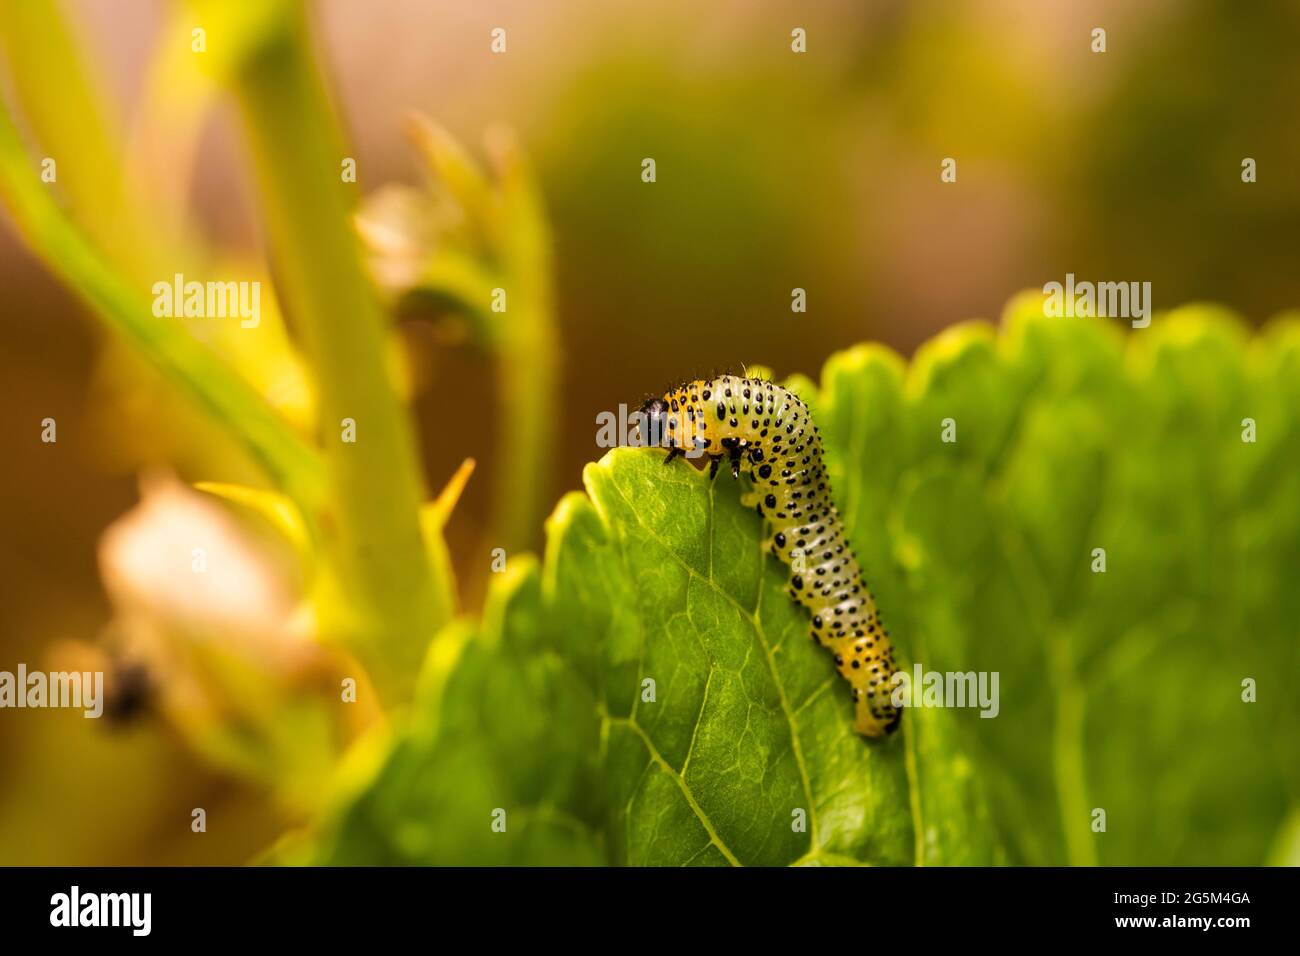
<point x="498" y="725"/>
<point x="1119" y="691"/>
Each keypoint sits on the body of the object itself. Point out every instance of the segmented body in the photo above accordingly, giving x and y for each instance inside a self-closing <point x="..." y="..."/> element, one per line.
<point x="767" y="430"/>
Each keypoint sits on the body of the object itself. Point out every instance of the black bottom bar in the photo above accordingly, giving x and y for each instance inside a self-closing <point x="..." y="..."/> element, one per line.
<point x="330" y="906"/>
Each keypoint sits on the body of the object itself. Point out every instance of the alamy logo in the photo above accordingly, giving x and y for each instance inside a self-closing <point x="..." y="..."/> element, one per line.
<point x="74" y="908"/>
<point x="923" y="688"/>
<point x="209" y="300"/>
<point x="1103" y="300"/>
<point x="77" y="689"/>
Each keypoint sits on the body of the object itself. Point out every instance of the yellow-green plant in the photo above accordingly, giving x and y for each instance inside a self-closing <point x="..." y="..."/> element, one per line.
<point x="337" y="470"/>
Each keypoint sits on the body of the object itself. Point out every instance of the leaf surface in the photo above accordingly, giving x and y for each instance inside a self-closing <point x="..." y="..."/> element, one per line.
<point x="1118" y="691"/>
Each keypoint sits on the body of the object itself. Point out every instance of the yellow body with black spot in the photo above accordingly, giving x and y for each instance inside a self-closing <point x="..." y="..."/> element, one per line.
<point x="766" y="429"/>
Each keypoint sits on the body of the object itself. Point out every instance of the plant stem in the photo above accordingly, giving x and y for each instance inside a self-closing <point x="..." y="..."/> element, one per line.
<point x="394" y="603"/>
<point x="526" y="406"/>
<point x="512" y="249"/>
<point x="290" y="462"/>
<point x="56" y="90"/>
<point x="528" y="359"/>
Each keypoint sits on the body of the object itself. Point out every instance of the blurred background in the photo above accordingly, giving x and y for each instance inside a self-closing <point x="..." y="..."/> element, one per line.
<point x="774" y="171"/>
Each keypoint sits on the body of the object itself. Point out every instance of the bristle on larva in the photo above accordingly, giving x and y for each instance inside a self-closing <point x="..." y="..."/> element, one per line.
<point x="765" y="429"/>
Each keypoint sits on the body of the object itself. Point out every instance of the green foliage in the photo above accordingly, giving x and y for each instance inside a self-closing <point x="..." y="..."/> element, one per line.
<point x="193" y="368"/>
<point x="1119" y="690"/>
<point x="464" y="240"/>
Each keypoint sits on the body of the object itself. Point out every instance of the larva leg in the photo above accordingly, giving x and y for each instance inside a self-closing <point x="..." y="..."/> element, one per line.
<point x="673" y="453"/>
<point x="714" y="461"/>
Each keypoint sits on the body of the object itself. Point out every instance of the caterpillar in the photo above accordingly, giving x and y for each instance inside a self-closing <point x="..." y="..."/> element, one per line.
<point x="768" y="429"/>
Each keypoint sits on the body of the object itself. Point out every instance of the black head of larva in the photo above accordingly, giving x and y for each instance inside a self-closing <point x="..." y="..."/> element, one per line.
<point x="655" y="414"/>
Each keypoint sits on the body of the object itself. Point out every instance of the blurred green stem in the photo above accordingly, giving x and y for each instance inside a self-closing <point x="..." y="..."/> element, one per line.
<point x="395" y="604"/>
<point x="527" y="405"/>
<point x="52" y="82"/>
<point x="528" y="357"/>
<point x="196" y="371"/>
